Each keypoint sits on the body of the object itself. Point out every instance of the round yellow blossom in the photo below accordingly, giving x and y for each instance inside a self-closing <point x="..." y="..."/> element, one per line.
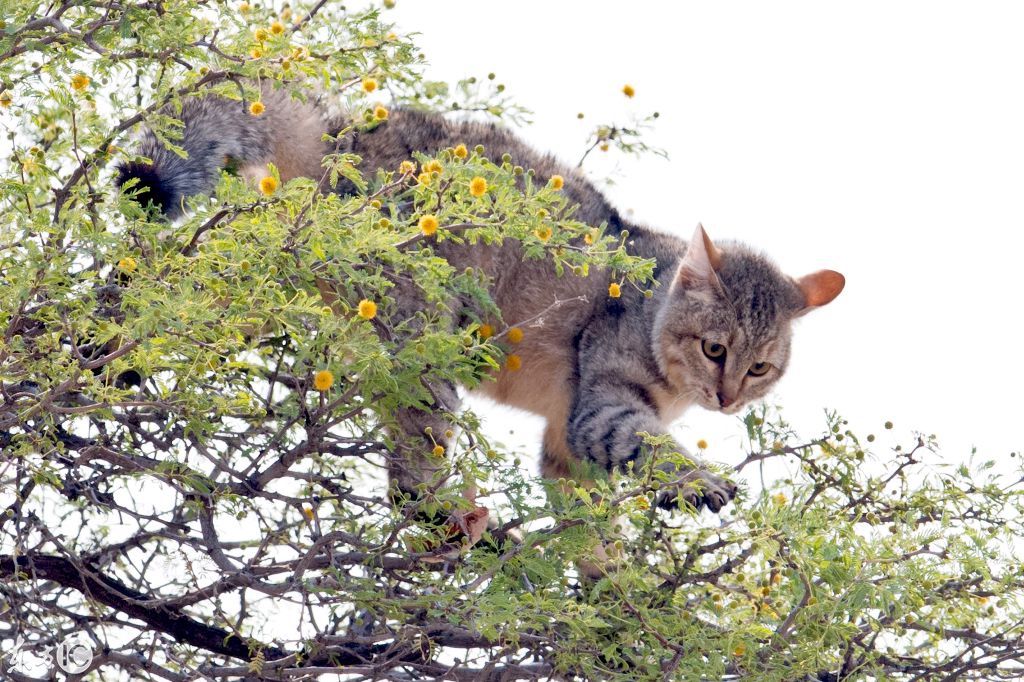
<point x="277" y="28"/>
<point x="244" y="7"/>
<point x="514" y="335"/>
<point x="614" y="290"/>
<point x="261" y="34"/>
<point x="407" y="168"/>
<point x="543" y="233"/>
<point x="557" y="182"/>
<point x="369" y="84"/>
<point x="424" y="178"/>
<point x="604" y="146"/>
<point x="513" y="363"/>
<point x="779" y="499"/>
<point x="390" y="37"/>
<point x="486" y="331"/>
<point x="323" y="380"/>
<point x="478" y="186"/>
<point x="428" y="225"/>
<point x="433" y="166"/>
<point x="628" y="90"/>
<point x="80" y="82"/>
<point x="127" y="264"/>
<point x="588" y="238"/>
<point x="255" y="53"/>
<point x="380" y="112"/>
<point x="643" y="503"/>
<point x="367" y="309"/>
<point x="438" y="451"/>
<point x="702" y="444"/>
<point x="5" y="99"/>
<point x="461" y="152"/>
<point x="307" y="511"/>
<point x="268" y="185"/>
<point x="257" y="108"/>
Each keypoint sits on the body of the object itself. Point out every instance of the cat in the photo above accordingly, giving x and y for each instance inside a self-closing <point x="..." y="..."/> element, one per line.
<point x="716" y="333"/>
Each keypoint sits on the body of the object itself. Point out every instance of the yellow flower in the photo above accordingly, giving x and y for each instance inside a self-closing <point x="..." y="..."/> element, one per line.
<point x="433" y="166"/>
<point x="367" y="309"/>
<point x="779" y="499"/>
<point x="740" y="648"/>
<point x="513" y="363"/>
<point x="261" y="34"/>
<point x="543" y="233"/>
<point x="424" y="178"/>
<point x="614" y="290"/>
<point x="391" y="36"/>
<point x="407" y="168"/>
<point x="514" y="335"/>
<point x="277" y="28"/>
<point x="5" y="99"/>
<point x="369" y="84"/>
<point x="380" y="113"/>
<point x="486" y="331"/>
<point x="702" y="444"/>
<point x="478" y="186"/>
<point x="257" y="108"/>
<point x="438" y="451"/>
<point x="588" y="238"/>
<point x="244" y="8"/>
<point x="323" y="380"/>
<point x="255" y="53"/>
<point x="628" y="90"/>
<point x="307" y="511"/>
<point x="127" y="264"/>
<point x="268" y="185"/>
<point x="604" y="147"/>
<point x="461" y="152"/>
<point x="428" y="225"/>
<point x="557" y="182"/>
<point x="643" y="503"/>
<point x="80" y="82"/>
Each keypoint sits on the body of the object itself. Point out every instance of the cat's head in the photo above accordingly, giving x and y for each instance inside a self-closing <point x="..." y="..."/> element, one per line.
<point x="722" y="331"/>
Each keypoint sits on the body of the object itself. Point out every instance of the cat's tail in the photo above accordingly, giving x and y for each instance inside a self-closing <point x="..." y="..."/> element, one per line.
<point x="220" y="133"/>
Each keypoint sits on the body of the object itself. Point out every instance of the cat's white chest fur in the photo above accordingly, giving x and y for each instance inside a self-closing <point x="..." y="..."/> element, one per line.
<point x="671" y="407"/>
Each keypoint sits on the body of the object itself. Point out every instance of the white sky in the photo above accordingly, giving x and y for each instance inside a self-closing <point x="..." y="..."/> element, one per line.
<point x="884" y="140"/>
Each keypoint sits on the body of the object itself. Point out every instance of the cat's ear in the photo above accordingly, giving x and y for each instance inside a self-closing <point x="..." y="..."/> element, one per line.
<point x="819" y="288"/>
<point x="698" y="266"/>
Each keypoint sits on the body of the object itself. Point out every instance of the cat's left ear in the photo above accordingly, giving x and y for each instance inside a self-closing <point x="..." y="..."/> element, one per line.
<point x="698" y="266"/>
<point x="819" y="288"/>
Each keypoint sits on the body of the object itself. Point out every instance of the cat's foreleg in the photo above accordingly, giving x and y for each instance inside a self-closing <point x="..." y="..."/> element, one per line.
<point x="603" y="428"/>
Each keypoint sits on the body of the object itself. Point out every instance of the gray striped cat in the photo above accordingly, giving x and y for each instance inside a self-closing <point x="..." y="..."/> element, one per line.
<point x="715" y="334"/>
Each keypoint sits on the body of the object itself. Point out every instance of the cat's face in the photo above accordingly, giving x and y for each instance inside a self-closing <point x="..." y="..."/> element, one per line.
<point x="722" y="333"/>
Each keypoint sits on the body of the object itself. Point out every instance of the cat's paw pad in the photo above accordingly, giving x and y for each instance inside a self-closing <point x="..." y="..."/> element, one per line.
<point x="699" y="488"/>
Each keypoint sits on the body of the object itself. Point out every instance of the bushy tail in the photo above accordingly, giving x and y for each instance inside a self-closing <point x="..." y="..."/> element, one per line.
<point x="219" y="133"/>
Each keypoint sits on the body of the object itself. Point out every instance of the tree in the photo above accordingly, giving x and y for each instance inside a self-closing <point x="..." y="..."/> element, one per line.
<point x="194" y="442"/>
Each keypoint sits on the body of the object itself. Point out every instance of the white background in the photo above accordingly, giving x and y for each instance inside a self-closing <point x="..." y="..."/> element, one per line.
<point x="884" y="140"/>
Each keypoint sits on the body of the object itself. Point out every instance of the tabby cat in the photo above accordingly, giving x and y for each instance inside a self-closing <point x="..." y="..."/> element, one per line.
<point x="715" y="334"/>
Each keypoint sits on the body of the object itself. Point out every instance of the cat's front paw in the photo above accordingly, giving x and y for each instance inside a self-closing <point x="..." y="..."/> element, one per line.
<point x="698" y="488"/>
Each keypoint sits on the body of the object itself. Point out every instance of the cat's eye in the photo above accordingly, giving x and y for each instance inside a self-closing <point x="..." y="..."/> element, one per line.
<point x="759" y="369"/>
<point x="714" y="351"/>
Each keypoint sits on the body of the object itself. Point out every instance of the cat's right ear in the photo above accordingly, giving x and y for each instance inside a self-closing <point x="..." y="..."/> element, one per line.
<point x="697" y="269"/>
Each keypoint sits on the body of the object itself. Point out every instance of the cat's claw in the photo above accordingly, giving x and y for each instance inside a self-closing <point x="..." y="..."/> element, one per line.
<point x="700" y="488"/>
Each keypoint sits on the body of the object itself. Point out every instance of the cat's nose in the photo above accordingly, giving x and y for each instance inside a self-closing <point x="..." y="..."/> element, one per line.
<point x="724" y="400"/>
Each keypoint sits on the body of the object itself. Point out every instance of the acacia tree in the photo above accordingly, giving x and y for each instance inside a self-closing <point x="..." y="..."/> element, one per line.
<point x="194" y="443"/>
